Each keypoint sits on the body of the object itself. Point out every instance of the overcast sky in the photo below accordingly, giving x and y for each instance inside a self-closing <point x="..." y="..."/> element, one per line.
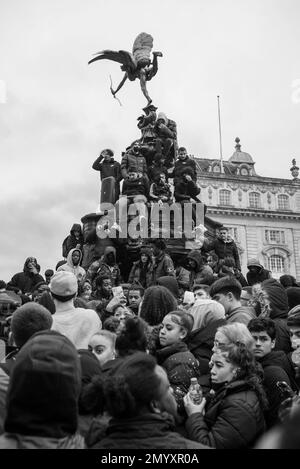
<point x="58" y="113"/>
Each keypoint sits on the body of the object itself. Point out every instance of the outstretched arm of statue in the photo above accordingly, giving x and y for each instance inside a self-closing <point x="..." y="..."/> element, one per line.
<point x="152" y="71"/>
<point x="120" y="85"/>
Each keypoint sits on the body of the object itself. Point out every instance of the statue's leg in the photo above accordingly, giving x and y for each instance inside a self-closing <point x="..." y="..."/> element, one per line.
<point x="143" y="85"/>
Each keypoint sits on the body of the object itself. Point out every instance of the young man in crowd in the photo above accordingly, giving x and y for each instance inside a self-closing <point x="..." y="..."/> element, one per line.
<point x="227" y="291"/>
<point x="107" y="167"/>
<point x="163" y="263"/>
<point x="275" y="364"/>
<point x="223" y="246"/>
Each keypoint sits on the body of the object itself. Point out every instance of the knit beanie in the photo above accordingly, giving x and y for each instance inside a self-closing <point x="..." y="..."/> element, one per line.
<point x="254" y="263"/>
<point x="293" y="319"/>
<point x="44" y="388"/>
<point x="277" y="297"/>
<point x="293" y="294"/>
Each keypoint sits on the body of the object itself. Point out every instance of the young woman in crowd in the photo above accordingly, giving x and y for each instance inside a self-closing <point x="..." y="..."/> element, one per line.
<point x="173" y="354"/>
<point x="232" y="415"/>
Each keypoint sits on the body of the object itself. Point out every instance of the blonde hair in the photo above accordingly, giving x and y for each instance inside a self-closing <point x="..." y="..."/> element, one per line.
<point x="237" y="333"/>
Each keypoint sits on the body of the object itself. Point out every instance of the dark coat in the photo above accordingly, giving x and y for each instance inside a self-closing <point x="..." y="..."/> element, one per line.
<point x="203" y="274"/>
<point x="272" y="374"/>
<point x="224" y="249"/>
<point x="108" y="168"/>
<point x="180" y="365"/>
<point x="163" y="266"/>
<point x="200" y="343"/>
<point x="148" y="431"/>
<point x="143" y="276"/>
<point x="25" y="281"/>
<point x="138" y="187"/>
<point x="233" y="418"/>
<point x="180" y="167"/>
<point x="262" y="275"/>
<point x="184" y="191"/>
<point x="71" y="242"/>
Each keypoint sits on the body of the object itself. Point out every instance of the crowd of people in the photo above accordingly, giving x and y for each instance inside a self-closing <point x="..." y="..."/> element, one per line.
<point x="95" y="360"/>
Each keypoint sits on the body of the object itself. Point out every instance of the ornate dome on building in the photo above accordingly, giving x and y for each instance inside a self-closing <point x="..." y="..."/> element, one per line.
<point x="240" y="156"/>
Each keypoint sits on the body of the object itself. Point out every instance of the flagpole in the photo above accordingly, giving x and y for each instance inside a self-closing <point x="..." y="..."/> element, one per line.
<point x="220" y="136"/>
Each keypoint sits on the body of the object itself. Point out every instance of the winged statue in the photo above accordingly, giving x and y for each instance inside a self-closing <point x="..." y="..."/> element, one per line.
<point x="136" y="64"/>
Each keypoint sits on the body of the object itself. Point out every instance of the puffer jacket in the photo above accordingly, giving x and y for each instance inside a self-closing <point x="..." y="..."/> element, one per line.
<point x="100" y="267"/>
<point x="147" y="431"/>
<point x="180" y="365"/>
<point x="233" y="418"/>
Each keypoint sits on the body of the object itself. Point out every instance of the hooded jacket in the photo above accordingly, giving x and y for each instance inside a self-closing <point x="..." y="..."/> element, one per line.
<point x="71" y="242"/>
<point x="142" y="273"/>
<point x="43" y="394"/>
<point x="170" y="283"/>
<point x="224" y="249"/>
<point x="203" y="274"/>
<point x="101" y="267"/>
<point x="242" y="314"/>
<point x="77" y="270"/>
<point x="233" y="418"/>
<point x="279" y="308"/>
<point x="163" y="266"/>
<point x="26" y="280"/>
<point x="260" y="276"/>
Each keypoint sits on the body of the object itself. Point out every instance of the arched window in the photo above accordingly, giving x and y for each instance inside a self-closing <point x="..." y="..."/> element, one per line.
<point x="225" y="197"/>
<point x="283" y="202"/>
<point x="254" y="200"/>
<point x="276" y="263"/>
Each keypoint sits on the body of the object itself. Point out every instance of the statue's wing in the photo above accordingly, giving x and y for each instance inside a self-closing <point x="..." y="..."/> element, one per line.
<point x="142" y="47"/>
<point x="122" y="56"/>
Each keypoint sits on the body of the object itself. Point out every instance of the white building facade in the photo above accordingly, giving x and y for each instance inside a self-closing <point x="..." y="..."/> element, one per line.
<point x="263" y="214"/>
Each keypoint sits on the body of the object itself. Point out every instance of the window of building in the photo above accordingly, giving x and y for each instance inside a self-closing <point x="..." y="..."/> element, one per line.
<point x="275" y="236"/>
<point x="254" y="200"/>
<point x="233" y="233"/>
<point x="216" y="169"/>
<point x="283" y="202"/>
<point x="276" y="263"/>
<point x="225" y="197"/>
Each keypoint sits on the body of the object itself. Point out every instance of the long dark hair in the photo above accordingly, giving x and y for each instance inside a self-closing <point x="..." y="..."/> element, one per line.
<point x="157" y="303"/>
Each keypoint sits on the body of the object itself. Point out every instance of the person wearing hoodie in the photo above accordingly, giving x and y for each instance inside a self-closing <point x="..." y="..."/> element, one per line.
<point x="275" y="364"/>
<point x="42" y="399"/>
<point x="256" y="272"/>
<point x="271" y="301"/>
<point x="26" y="280"/>
<point x="106" y="265"/>
<point x="223" y="246"/>
<point x="74" y="240"/>
<point x="78" y="324"/>
<point x="73" y="265"/>
<point x="200" y="273"/>
<point x="166" y="132"/>
<point x="142" y="269"/>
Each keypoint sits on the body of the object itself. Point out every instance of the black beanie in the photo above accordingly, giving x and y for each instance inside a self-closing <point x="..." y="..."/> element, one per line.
<point x="293" y="294"/>
<point x="42" y="398"/>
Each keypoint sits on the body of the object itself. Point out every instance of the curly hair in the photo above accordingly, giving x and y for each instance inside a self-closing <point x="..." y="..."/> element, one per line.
<point x="248" y="369"/>
<point x="158" y="301"/>
<point x="133" y="337"/>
